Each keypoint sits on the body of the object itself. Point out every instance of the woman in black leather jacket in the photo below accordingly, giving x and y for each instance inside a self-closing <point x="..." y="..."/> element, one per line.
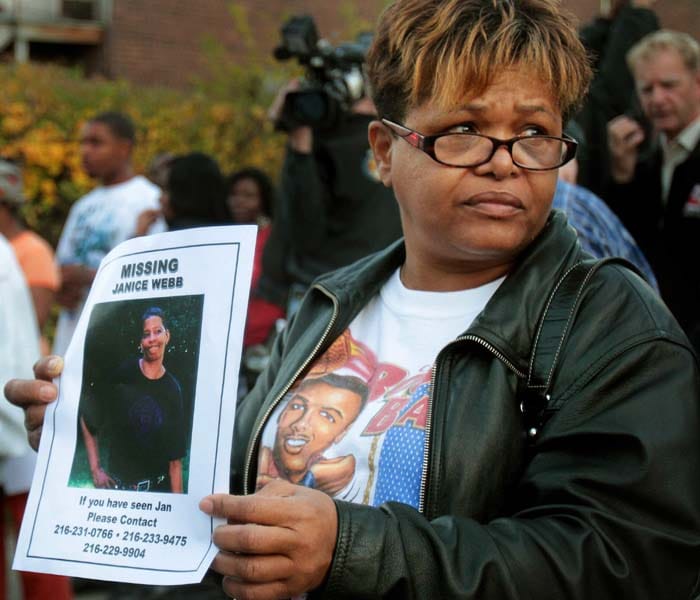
<point x="557" y="458"/>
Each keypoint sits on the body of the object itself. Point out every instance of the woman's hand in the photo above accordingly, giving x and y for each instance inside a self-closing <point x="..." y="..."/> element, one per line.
<point x="279" y="541"/>
<point x="145" y="221"/>
<point x="32" y="395"/>
<point x="75" y="279"/>
<point x="103" y="481"/>
<point x="301" y="137"/>
<point x="625" y="136"/>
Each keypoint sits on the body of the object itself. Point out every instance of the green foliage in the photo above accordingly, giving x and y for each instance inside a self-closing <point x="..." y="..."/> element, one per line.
<point x="354" y="22"/>
<point x="44" y="108"/>
<point x="224" y="114"/>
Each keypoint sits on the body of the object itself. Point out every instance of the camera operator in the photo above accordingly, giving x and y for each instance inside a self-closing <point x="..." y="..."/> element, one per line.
<point x="332" y="208"/>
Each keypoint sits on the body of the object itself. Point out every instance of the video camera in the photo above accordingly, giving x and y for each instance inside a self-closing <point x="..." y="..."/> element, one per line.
<point x="333" y="81"/>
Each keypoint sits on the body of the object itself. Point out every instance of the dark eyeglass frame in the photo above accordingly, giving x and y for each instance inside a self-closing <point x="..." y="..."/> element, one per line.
<point x="426" y="143"/>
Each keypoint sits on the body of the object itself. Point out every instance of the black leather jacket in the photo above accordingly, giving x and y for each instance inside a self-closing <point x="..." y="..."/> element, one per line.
<point x="604" y="504"/>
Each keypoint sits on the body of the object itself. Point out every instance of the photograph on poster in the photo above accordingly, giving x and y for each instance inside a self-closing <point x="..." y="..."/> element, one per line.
<point x="136" y="399"/>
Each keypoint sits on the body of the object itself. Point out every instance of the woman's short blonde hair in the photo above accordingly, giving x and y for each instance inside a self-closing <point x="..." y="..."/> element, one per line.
<point x="446" y="50"/>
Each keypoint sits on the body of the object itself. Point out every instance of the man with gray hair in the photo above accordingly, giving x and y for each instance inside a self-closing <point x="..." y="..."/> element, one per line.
<point x="657" y="195"/>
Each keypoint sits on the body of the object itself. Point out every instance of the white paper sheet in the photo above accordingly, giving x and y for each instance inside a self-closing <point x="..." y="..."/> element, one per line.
<point x="200" y="279"/>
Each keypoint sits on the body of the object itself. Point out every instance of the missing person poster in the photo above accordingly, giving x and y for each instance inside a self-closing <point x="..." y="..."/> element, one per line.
<point x="143" y="424"/>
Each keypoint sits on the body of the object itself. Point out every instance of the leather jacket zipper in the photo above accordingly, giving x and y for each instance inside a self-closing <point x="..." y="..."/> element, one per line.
<point x="493" y="350"/>
<point x="428" y="422"/>
<point x="261" y="423"/>
<point x="429" y="416"/>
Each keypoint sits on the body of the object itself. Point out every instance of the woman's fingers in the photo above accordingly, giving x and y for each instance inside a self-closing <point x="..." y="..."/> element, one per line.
<point x="33" y="423"/>
<point x="30" y="392"/>
<point x="32" y="395"/>
<point x="103" y="481"/>
<point x="254" y="539"/>
<point x="244" y="509"/>
<point x="254" y="568"/>
<point x="48" y="368"/>
<point x="239" y="590"/>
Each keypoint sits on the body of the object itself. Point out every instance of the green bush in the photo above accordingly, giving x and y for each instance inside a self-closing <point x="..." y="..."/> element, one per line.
<point x="44" y="108"/>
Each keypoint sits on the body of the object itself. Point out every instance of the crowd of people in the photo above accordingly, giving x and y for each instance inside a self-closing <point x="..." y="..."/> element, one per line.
<point x="478" y="409"/>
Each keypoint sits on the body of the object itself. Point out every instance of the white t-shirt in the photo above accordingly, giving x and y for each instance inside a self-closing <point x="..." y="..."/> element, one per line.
<point x="323" y="436"/>
<point x="96" y="223"/>
<point x="19" y="348"/>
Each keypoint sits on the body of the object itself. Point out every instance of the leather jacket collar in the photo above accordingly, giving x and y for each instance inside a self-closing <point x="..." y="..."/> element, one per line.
<point x="508" y="328"/>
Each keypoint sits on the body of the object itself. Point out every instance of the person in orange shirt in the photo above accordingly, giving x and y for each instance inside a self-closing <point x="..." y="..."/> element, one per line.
<point x="34" y="254"/>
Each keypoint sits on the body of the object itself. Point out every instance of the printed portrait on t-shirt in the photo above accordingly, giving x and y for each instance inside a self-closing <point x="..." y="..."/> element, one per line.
<point x="315" y="417"/>
<point x="136" y="401"/>
<point x="352" y="427"/>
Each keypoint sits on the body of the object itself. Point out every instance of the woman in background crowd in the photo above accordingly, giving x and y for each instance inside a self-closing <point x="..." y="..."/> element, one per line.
<point x="194" y="194"/>
<point x="250" y="200"/>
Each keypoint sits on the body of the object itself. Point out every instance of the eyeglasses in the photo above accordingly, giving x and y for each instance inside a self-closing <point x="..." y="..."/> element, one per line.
<point x="532" y="152"/>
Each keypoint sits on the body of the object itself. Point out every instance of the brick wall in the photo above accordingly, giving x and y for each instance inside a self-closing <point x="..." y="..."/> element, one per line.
<point x="160" y="41"/>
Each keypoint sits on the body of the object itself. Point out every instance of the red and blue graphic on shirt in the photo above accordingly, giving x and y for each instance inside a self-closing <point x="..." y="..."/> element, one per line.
<point x="352" y="426"/>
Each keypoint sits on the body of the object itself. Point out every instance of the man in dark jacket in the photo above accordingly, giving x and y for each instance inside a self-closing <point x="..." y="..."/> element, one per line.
<point x="475" y="469"/>
<point x="607" y="38"/>
<point x="657" y="195"/>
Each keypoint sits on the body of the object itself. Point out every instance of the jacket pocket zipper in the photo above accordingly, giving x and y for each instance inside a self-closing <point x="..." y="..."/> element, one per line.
<point x="261" y="423"/>
<point x="428" y="419"/>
